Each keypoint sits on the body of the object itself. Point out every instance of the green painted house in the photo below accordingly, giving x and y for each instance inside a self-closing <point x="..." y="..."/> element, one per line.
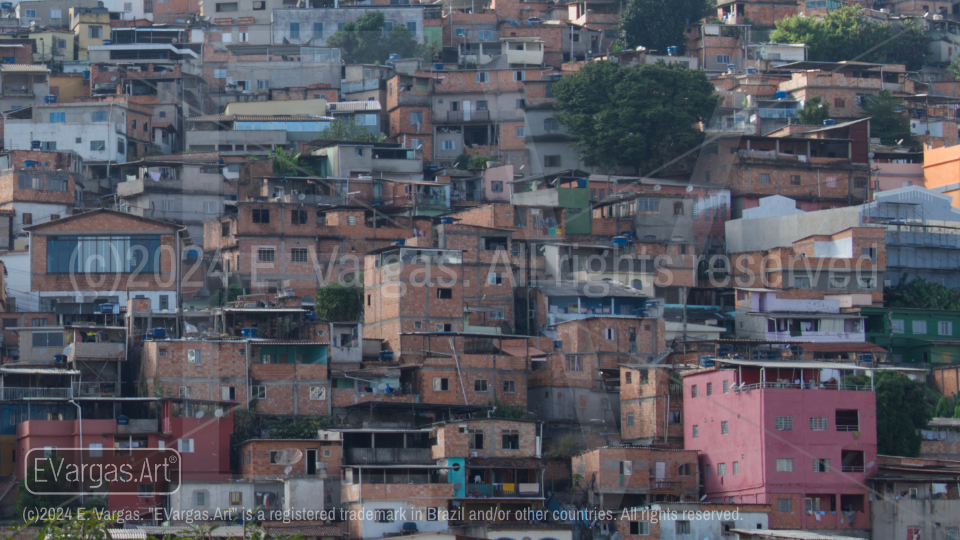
<point x="915" y="335"/>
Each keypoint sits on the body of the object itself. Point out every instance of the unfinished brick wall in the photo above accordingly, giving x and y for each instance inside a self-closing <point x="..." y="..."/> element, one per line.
<point x="167" y="371"/>
<point x="255" y="457"/>
<point x="648" y="407"/>
<point x="452" y="439"/>
<point x="603" y="471"/>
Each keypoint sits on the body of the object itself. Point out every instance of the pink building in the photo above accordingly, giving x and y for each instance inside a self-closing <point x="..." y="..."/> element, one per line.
<point x="203" y="441"/>
<point x="766" y="438"/>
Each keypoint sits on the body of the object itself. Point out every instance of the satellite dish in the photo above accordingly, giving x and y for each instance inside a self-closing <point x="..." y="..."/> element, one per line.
<point x="656" y="187"/>
<point x="870" y="465"/>
<point x="288" y="456"/>
<point x="199" y="414"/>
<point x="218" y="413"/>
<point x="174" y="40"/>
<point x="871" y="155"/>
<point x="689" y="189"/>
<point x="457" y="486"/>
<point x="301" y="197"/>
<point x="287" y="469"/>
<point x="704" y="497"/>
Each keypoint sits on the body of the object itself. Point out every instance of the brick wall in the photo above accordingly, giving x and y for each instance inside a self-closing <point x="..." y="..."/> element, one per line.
<point x="255" y="457"/>
<point x="452" y="440"/>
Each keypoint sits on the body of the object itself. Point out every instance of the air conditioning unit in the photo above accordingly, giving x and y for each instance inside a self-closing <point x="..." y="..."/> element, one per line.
<point x="473" y="454"/>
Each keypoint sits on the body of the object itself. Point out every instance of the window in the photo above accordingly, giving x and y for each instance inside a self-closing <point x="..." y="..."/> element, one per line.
<point x="448" y="145"/>
<point x="412" y="27"/>
<point x="58" y="117"/>
<point x="945" y="328"/>
<point x="164" y="301"/>
<point x="30" y="13"/>
<point x="726" y="387"/>
<point x="258" y="392"/>
<point x="785" y="505"/>
<point x="30" y="182"/>
<point x="610" y="334"/>
<point x="693" y="390"/>
<point x="839" y="103"/>
<point x="200" y="498"/>
<point x="185" y="445"/>
<point x="520" y="135"/>
<point x="96" y="450"/>
<point x="219" y="73"/>
<point x="98" y="146"/>
<point x="550" y="124"/>
<point x="162" y="351"/>
<point x="736" y="468"/>
<point x="551" y="161"/>
<point x="261" y="215"/>
<point x="678" y="209"/>
<point x="801" y="282"/>
<point x="510" y="387"/>
<point x="133" y="125"/>
<point x="898" y="326"/>
<point x="479" y="385"/>
<point x="482" y="105"/>
<point x="683" y="527"/>
<point x="709" y="388"/>
<point x="483" y="76"/>
<point x="167" y="206"/>
<point x="50" y="145"/>
<point x="475" y="439"/>
<point x="417" y="325"/>
<point x="510" y="439"/>
<point x="639" y="528"/>
<point x="351" y="220"/>
<point x="209" y="208"/>
<point x="684" y="469"/>
<point x="706" y="470"/>
<point x="121" y="149"/>
<point x="145" y="490"/>
<point x="818" y="423"/>
<point x="794" y="181"/>
<point x="919" y="327"/>
<point x="821" y="465"/>
<point x="629" y="418"/>
<point x="764" y="178"/>
<point x="783" y="423"/>
<point x="95" y="32"/>
<point x="723" y="59"/>
<point x="574" y="363"/>
<point x="27" y="219"/>
<point x="495" y="278"/>
<point x="724" y="428"/>
<point x="47" y="339"/>
<point x="441" y="384"/>
<point x="194" y="356"/>
<point x="696" y="432"/>
<point x="265" y="254"/>
<point x="236" y="498"/>
<point x="518" y="76"/>
<point x="521" y="103"/>
<point x="444" y="293"/>
<point x="784" y="464"/>
<point x="294" y="30"/>
<point x="416" y="118"/>
<point x="847" y="420"/>
<point x="463" y="32"/>
<point x="298" y="217"/>
<point x="298" y="255"/>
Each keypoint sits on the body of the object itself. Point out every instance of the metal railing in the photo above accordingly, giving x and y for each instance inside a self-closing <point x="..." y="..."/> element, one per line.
<point x="806" y="386"/>
<point x="12" y="393"/>
<point x="663" y="484"/>
<point x="848" y="427"/>
<point x="852" y="468"/>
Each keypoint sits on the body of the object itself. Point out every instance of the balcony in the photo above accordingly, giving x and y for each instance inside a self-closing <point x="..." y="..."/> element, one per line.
<point x="96" y="389"/>
<point x="13" y="394"/>
<point x="96" y="351"/>
<point x="493" y="491"/>
<point x="389" y="456"/>
<point x="805" y="386"/>
<point x="662" y="484"/>
<point x="468" y="116"/>
<point x="17" y="91"/>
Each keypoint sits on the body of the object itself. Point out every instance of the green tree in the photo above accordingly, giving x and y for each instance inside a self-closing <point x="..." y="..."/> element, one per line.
<point x="53" y="484"/>
<point x="848" y="33"/>
<point x="566" y="446"/>
<point x="658" y="24"/>
<point x="234" y="290"/>
<point x="301" y="427"/>
<point x="338" y="303"/>
<point x="814" y="111"/>
<point x="902" y="409"/>
<point x="920" y="293"/>
<point x="637" y="117"/>
<point x="346" y="129"/>
<point x="886" y="118"/>
<point x="364" y="41"/>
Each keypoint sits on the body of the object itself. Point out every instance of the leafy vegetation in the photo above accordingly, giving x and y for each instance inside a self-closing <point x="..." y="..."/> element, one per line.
<point x="338" y="303"/>
<point x="658" y="24"/>
<point x="503" y="410"/>
<point x="637" y="117"/>
<point x="472" y="161"/>
<point x="814" y="111"/>
<point x="234" y="290"/>
<point x="902" y="408"/>
<point x="566" y="447"/>
<point x="920" y="293"/>
<point x="289" y="164"/>
<point x="250" y="424"/>
<point x="44" y="472"/>
<point x="347" y="129"/>
<point x="886" y="118"/>
<point x="365" y="41"/>
<point x="848" y="33"/>
<point x="948" y="407"/>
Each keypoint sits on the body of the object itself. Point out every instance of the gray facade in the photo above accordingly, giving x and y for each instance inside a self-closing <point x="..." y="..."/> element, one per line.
<point x="49" y="13"/>
<point x="922" y="239"/>
<point x="314" y="26"/>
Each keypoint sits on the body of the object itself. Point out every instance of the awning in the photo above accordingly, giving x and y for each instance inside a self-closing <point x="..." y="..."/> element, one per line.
<point x="521" y="352"/>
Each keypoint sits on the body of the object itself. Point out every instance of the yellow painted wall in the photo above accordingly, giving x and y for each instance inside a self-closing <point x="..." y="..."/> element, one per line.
<point x="70" y="86"/>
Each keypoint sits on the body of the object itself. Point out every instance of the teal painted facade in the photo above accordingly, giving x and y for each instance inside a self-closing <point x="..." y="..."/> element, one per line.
<point x="915" y="335"/>
<point x="458" y="477"/>
<point x="576" y="209"/>
<point x="293" y="354"/>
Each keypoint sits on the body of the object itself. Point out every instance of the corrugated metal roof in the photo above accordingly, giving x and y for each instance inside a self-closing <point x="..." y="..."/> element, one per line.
<point x="229" y="531"/>
<point x="23" y="68"/>
<point x="39" y="371"/>
<point x="354" y="106"/>
<point x="589" y="288"/>
<point x="521" y="352"/>
<point x="506" y="463"/>
<point x="303" y="530"/>
<point x="791" y="365"/>
<point x="264" y="310"/>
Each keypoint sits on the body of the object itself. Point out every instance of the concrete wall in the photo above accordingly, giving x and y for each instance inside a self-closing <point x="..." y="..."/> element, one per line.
<point x="934" y="518"/>
<point x="332" y="17"/>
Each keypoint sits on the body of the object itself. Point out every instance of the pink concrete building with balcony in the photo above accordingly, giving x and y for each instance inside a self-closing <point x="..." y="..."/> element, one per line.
<point x="788" y="434"/>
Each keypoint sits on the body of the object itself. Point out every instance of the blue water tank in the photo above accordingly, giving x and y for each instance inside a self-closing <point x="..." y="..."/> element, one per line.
<point x="829" y="122"/>
<point x="6" y="5"/>
<point x="123" y="420"/>
<point x="620" y="240"/>
<point x="671" y="51"/>
<point x="29" y="163"/>
<point x="60" y="358"/>
<point x="248" y="332"/>
<point x="438" y="66"/>
<point x="731" y="68"/>
<point x="159" y="332"/>
<point x="86" y="74"/>
<point x="311" y="315"/>
<point x="394" y="57"/>
<point x="781" y="94"/>
<point x="446" y="220"/>
<point x="35" y="144"/>
<point x="751" y="71"/>
<point x="582" y="183"/>
<point x="108" y="42"/>
<point x="386" y="355"/>
<point x="400" y="242"/>
<point x="49" y="98"/>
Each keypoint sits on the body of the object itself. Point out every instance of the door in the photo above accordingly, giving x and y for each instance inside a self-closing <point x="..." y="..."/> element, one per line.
<point x="466" y="111"/>
<point x="660" y="471"/>
<point x="311" y="462"/>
